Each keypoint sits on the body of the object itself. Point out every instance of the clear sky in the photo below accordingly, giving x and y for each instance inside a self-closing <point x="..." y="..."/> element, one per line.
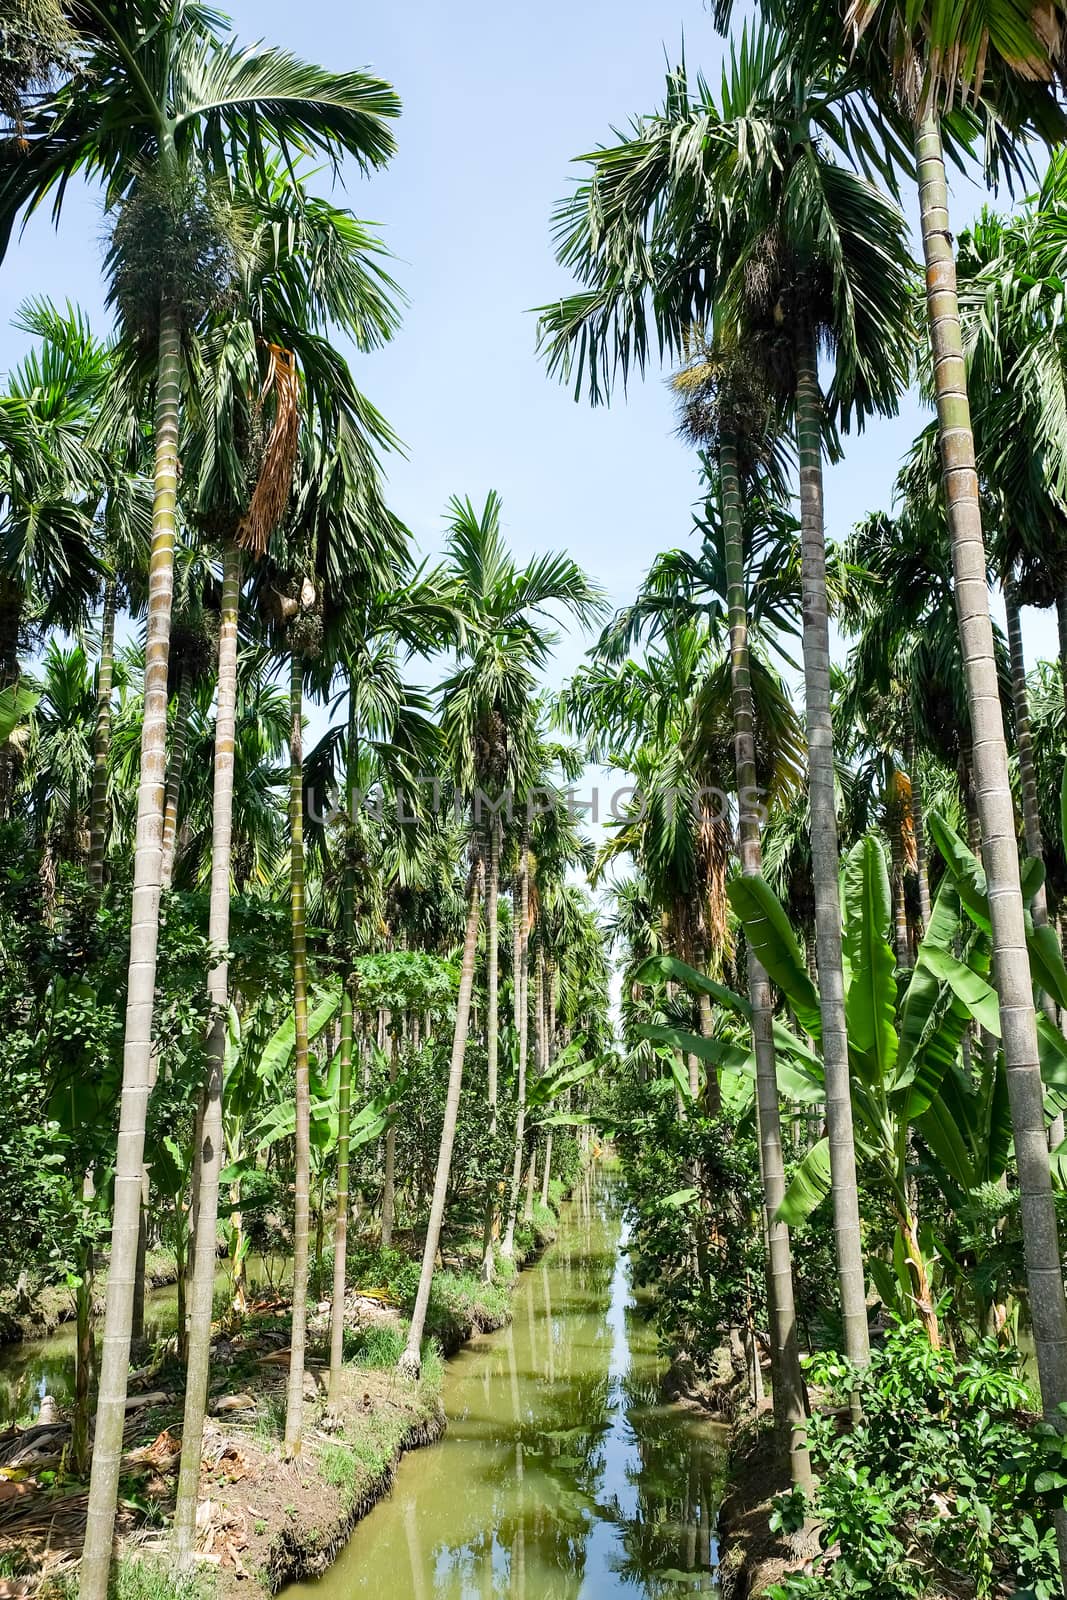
<point x="498" y="97"/>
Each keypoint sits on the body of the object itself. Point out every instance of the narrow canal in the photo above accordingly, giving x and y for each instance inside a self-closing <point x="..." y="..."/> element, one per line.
<point x="562" y="1476"/>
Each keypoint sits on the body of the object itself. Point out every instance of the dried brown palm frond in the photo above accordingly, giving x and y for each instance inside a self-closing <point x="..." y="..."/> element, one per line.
<point x="274" y="483"/>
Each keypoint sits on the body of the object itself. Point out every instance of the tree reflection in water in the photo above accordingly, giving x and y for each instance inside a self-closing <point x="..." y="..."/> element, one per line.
<point x="562" y="1475"/>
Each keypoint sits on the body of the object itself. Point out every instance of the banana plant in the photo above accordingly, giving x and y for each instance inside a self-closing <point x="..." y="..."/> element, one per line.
<point x="904" y="1050"/>
<point x="252" y="1080"/>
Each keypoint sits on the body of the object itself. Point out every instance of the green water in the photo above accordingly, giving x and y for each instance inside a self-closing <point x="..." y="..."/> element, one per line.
<point x="32" y="1368"/>
<point x="562" y="1475"/>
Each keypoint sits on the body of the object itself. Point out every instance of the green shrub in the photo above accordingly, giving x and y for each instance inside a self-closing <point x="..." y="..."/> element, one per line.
<point x="946" y="1478"/>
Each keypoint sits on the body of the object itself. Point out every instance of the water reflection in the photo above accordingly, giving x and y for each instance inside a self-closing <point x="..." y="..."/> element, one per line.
<point x="562" y="1476"/>
<point x="33" y="1368"/>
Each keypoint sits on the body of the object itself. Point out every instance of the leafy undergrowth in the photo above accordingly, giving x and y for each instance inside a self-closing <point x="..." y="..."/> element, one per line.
<point x="947" y="1487"/>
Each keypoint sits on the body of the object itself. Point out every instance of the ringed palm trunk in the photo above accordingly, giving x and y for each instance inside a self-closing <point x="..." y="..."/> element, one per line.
<point x="294" y="1405"/>
<point x="411" y="1358"/>
<point x="11" y="603"/>
<point x="791" y="1406"/>
<point x="1035" y="846"/>
<point x="519" y="984"/>
<point x="144" y="940"/>
<point x="901" y="938"/>
<point x="1025" y="746"/>
<point x="918" y="824"/>
<point x="174" y="775"/>
<point x="999" y="855"/>
<point x="211" y="1152"/>
<point x="344" y="1086"/>
<point x="550" y="1055"/>
<point x="492" y="1026"/>
<point x="539" y="1067"/>
<point x="389" y="1179"/>
<point x="825" y="859"/>
<point x="105" y="679"/>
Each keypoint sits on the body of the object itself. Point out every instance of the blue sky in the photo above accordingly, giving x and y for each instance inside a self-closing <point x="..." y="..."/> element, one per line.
<point x="497" y="98"/>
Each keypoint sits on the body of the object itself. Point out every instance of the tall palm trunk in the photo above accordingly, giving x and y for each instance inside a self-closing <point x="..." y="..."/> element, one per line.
<point x="519" y="985"/>
<point x="11" y="603"/>
<point x="1061" y="635"/>
<point x="344" y="1086"/>
<point x="901" y="937"/>
<point x="174" y="774"/>
<point x="411" y="1358"/>
<point x="1025" y="747"/>
<point x="294" y="1405"/>
<point x="825" y="860"/>
<point x="492" y="1025"/>
<point x="918" y="823"/>
<point x="389" y="1177"/>
<point x="211" y="1151"/>
<point x="550" y="1056"/>
<point x="144" y="940"/>
<point x="83" y="1350"/>
<point x="792" y="1408"/>
<point x="999" y="854"/>
<point x="1035" y="846"/>
<point x="105" y="679"/>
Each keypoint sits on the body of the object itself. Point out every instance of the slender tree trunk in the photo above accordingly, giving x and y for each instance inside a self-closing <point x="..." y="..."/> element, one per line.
<point x="411" y="1359"/>
<point x="550" y="1057"/>
<point x="83" y="1354"/>
<point x="539" y="1069"/>
<point x="212" y="1146"/>
<point x="1025" y="747"/>
<point x="144" y="939"/>
<point x="521" y="955"/>
<point x="11" y="604"/>
<point x="389" y="1179"/>
<point x="492" y="1027"/>
<point x="344" y="1088"/>
<point x="792" y="1404"/>
<point x="294" y="1405"/>
<point x="918" y="823"/>
<point x="713" y="1090"/>
<point x="174" y="774"/>
<point x="105" y="678"/>
<point x="900" y="909"/>
<point x="825" y="859"/>
<point x="999" y="854"/>
<point x="1035" y="846"/>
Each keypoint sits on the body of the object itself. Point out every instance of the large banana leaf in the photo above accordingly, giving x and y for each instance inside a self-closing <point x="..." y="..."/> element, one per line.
<point x="919" y="1014"/>
<point x="1046" y="958"/>
<point x="671" y="970"/>
<point x="16" y="703"/>
<point x="282" y="1043"/>
<point x="773" y="942"/>
<point x="810" y="1185"/>
<point x="871" y="995"/>
<point x="798" y="1071"/>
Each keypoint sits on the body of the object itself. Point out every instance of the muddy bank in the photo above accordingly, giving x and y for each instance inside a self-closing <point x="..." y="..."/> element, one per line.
<point x="752" y="1557"/>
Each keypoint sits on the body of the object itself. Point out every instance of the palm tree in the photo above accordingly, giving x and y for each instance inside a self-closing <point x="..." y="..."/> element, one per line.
<point x="178" y="94"/>
<point x="725" y="406"/>
<point x="742" y="203"/>
<point x="388" y="726"/>
<point x="919" y="64"/>
<point x="48" y="484"/>
<point x="486" y="722"/>
<point x="311" y="267"/>
<point x="37" y="44"/>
